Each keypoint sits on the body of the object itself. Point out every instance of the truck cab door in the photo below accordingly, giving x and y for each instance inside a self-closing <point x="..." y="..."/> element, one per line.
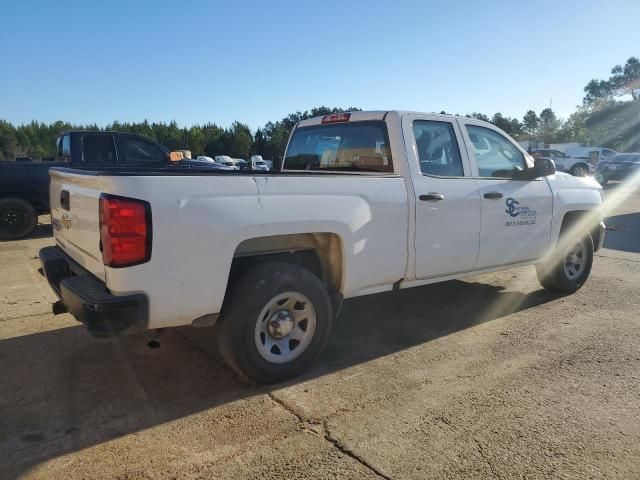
<point x="447" y="202"/>
<point x="516" y="212"/>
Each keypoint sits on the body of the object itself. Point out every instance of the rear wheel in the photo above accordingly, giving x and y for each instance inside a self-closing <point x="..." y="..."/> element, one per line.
<point x="567" y="271"/>
<point x="18" y="218"/>
<point x="275" y="322"/>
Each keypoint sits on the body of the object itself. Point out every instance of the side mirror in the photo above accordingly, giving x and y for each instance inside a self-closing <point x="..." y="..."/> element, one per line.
<point x="543" y="167"/>
<point x="175" y="156"/>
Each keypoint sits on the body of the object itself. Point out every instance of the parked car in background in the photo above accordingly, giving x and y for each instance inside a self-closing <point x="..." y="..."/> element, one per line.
<point x="227" y="161"/>
<point x="201" y="163"/>
<point x="578" y="167"/>
<point x="618" y="167"/>
<point x="366" y="202"/>
<point x="24" y="185"/>
<point x="241" y="163"/>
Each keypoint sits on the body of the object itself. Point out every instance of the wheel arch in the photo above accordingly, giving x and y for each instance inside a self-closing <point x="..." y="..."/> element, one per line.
<point x="583" y="220"/>
<point x="322" y="253"/>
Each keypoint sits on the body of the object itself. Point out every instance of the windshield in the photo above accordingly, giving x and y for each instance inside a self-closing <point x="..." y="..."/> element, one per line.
<point x="358" y="146"/>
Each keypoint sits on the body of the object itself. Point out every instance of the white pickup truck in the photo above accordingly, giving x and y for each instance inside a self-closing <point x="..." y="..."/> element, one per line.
<point x="365" y="202"/>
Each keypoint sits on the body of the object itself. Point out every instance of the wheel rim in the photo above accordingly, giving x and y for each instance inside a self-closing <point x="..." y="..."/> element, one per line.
<point x="285" y="327"/>
<point x="579" y="172"/>
<point x="12" y="219"/>
<point x="575" y="261"/>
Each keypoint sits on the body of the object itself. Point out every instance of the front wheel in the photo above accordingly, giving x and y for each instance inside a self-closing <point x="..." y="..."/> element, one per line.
<point x="567" y="271"/>
<point x="275" y="322"/>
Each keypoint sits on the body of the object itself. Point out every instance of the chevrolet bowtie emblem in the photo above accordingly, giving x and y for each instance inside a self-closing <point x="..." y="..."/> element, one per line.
<point x="66" y="222"/>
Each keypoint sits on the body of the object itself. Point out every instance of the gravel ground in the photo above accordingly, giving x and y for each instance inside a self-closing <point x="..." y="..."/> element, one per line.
<point x="490" y="377"/>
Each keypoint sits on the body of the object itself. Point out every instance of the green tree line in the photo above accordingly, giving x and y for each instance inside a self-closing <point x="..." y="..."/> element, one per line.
<point x="609" y="116"/>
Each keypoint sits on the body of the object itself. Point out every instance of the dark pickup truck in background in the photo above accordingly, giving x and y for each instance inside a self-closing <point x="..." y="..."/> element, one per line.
<point x="24" y="185"/>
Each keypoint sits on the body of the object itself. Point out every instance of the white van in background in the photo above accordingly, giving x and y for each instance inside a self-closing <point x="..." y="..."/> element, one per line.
<point x="576" y="160"/>
<point x="587" y="152"/>
<point x="257" y="163"/>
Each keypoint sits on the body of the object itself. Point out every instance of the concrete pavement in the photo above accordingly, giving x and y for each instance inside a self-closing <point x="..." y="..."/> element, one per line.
<point x="490" y="377"/>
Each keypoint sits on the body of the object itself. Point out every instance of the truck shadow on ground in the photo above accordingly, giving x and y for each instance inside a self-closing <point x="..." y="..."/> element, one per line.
<point x="623" y="233"/>
<point x="42" y="231"/>
<point x="63" y="391"/>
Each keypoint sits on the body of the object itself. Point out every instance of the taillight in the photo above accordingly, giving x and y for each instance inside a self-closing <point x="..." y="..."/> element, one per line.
<point x="125" y="231"/>
<point x="336" y="118"/>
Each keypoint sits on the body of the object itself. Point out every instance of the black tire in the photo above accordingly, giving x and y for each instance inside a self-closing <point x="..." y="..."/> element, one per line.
<point x="18" y="218"/>
<point x="553" y="275"/>
<point x="579" y="170"/>
<point x="246" y="299"/>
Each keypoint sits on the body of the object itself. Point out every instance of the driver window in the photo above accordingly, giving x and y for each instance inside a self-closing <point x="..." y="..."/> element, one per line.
<point x="496" y="157"/>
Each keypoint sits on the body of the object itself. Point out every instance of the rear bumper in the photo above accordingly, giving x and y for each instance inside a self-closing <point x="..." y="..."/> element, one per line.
<point x="88" y="299"/>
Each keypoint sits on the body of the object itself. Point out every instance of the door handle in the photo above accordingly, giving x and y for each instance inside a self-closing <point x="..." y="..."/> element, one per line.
<point x="493" y="195"/>
<point x="431" y="197"/>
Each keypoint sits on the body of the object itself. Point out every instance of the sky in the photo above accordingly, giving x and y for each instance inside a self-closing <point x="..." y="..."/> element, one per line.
<point x="257" y="61"/>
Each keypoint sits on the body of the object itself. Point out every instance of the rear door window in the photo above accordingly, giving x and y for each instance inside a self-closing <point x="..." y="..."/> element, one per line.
<point x="139" y="151"/>
<point x="357" y="147"/>
<point x="437" y="148"/>
<point x="98" y="148"/>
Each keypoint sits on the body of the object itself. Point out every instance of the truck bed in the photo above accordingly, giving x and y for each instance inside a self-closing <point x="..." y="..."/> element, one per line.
<point x="201" y="222"/>
<point x="138" y="171"/>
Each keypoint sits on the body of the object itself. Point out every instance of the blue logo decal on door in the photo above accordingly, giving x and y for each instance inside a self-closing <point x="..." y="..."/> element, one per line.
<point x="512" y="207"/>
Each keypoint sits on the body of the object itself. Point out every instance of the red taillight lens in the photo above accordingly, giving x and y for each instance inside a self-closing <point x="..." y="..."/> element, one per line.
<point x="125" y="231"/>
<point x="336" y="118"/>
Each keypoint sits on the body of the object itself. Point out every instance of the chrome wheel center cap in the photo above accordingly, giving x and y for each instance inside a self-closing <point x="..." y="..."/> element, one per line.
<point x="280" y="324"/>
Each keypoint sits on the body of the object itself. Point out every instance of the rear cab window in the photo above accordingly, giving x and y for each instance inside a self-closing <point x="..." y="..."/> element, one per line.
<point x="141" y="152"/>
<point x="98" y="148"/>
<point x="341" y="147"/>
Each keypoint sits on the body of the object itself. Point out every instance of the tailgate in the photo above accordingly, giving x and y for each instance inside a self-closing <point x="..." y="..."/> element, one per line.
<point x="75" y="215"/>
